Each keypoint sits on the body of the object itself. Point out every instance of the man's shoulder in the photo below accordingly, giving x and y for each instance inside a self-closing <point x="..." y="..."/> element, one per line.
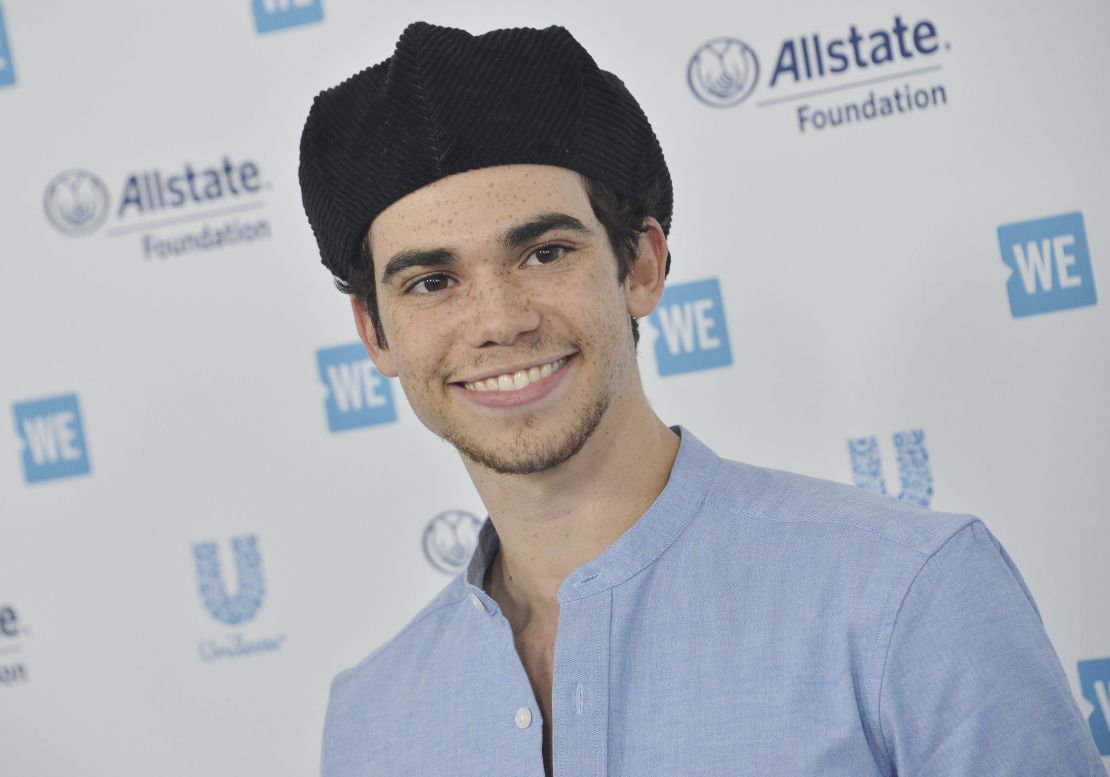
<point x="412" y="644"/>
<point x="829" y="510"/>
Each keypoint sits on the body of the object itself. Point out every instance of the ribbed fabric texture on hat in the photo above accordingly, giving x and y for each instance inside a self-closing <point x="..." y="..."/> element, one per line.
<point x="448" y="101"/>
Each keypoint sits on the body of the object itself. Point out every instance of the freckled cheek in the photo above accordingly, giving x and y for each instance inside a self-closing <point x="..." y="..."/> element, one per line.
<point x="420" y="348"/>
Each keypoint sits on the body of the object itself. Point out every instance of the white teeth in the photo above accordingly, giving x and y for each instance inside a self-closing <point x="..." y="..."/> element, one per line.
<point x="517" y="380"/>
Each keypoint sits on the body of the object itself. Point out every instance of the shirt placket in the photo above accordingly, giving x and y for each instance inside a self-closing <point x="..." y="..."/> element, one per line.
<point x="518" y="720"/>
<point x="580" y="690"/>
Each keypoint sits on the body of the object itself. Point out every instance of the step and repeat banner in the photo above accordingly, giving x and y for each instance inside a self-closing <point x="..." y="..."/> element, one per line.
<point x="891" y="228"/>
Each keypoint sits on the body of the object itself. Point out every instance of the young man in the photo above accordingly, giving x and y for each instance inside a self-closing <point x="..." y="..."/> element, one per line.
<point x="498" y="208"/>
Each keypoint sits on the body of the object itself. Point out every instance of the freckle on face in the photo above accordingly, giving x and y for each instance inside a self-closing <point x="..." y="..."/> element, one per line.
<point x="582" y="311"/>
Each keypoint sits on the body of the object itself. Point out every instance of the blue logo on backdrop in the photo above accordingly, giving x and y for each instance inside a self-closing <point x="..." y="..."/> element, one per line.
<point x="270" y="15"/>
<point x="358" y="395"/>
<point x="450" y="539"/>
<point x="723" y="72"/>
<point x="693" y="335"/>
<point x="1050" y="265"/>
<point x="76" y="202"/>
<point x="7" y="67"/>
<point x="53" y="438"/>
<point x="913" y="466"/>
<point x="247" y="601"/>
<point x="1094" y="683"/>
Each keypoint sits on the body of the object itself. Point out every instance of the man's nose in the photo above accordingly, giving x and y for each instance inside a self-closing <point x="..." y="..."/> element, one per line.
<point x="500" y="309"/>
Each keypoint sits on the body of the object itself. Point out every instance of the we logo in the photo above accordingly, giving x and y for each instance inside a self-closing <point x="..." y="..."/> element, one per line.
<point x="1094" y="682"/>
<point x="1050" y="263"/>
<point x="270" y="15"/>
<point x="358" y="395"/>
<point x="693" y="335"/>
<point x="7" y="68"/>
<point x="52" y="437"/>
<point x="913" y="466"/>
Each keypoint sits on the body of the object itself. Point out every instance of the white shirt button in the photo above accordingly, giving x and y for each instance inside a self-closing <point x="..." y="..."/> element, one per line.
<point x="523" y="718"/>
<point x="477" y="602"/>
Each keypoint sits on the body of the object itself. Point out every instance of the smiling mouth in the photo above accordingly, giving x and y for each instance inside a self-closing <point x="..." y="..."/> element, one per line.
<point x="515" y="381"/>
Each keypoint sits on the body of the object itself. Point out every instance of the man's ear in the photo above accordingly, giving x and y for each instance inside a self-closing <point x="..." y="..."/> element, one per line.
<point x="381" y="357"/>
<point x="645" y="282"/>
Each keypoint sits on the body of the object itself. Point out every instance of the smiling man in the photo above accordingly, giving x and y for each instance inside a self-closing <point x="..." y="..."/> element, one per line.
<point x="497" y="208"/>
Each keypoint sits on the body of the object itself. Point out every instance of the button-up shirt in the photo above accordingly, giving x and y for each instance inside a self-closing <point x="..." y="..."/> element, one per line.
<point x="752" y="622"/>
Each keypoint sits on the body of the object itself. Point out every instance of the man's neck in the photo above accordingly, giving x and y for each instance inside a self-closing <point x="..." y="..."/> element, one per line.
<point x="552" y="522"/>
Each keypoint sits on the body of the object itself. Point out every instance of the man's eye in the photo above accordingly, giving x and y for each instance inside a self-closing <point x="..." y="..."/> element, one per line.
<point x="547" y="254"/>
<point x="430" y="284"/>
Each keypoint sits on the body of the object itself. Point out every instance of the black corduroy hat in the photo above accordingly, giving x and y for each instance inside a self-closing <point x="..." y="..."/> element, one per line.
<point x="448" y="101"/>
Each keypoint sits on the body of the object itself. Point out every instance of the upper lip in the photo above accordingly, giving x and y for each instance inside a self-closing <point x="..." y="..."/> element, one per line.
<point x="493" y="373"/>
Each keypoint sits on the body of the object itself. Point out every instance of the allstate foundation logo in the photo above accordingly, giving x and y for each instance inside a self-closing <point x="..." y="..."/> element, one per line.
<point x="12" y="631"/>
<point x="76" y="202"/>
<point x="723" y="72"/>
<point x="247" y="601"/>
<point x="450" y="539"/>
<point x="913" y="466"/>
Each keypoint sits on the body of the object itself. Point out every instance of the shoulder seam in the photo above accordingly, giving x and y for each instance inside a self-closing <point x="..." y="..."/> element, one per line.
<point x="894" y="626"/>
<point x="412" y="624"/>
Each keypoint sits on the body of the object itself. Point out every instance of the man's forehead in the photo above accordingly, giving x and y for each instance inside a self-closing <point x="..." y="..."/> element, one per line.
<point x="477" y="205"/>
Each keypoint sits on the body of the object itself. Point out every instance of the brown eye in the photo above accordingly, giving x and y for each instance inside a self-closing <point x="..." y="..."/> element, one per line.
<point x="547" y="254"/>
<point x="430" y="284"/>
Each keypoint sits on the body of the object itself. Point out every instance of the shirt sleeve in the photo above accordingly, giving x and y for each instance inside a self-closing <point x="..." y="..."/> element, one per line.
<point x="971" y="684"/>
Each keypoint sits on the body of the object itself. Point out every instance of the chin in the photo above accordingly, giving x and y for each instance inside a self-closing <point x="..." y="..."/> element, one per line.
<point x="528" y="450"/>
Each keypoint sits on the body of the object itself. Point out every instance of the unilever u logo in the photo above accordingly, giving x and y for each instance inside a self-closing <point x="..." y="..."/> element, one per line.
<point x="913" y="466"/>
<point x="450" y="539"/>
<point x="76" y="202"/>
<point x="231" y="610"/>
<point x="723" y="72"/>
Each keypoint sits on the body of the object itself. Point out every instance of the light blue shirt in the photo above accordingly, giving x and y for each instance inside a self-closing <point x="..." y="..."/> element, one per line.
<point x="752" y="622"/>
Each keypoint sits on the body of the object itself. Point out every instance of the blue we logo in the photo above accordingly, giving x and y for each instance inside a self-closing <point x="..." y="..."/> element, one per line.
<point x="693" y="335"/>
<point x="913" y="466"/>
<point x="7" y="67"/>
<point x="53" y="438"/>
<point x="270" y="15"/>
<point x="358" y="395"/>
<point x="251" y="589"/>
<point x="1050" y="264"/>
<point x="1094" y="683"/>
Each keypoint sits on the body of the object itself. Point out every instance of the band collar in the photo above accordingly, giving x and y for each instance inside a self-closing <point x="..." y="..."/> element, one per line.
<point x="641" y="544"/>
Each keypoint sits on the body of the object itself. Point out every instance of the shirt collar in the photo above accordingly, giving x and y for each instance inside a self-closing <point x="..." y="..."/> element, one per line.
<point x="643" y="542"/>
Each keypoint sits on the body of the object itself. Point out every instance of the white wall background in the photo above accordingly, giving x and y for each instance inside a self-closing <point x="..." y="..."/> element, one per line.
<point x="860" y="274"/>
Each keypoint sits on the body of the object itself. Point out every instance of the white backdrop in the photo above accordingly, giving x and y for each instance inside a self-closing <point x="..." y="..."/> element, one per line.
<point x="170" y="350"/>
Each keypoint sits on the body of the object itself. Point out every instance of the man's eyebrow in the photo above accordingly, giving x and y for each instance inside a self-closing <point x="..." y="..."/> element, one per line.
<point x="514" y="237"/>
<point x="416" y="257"/>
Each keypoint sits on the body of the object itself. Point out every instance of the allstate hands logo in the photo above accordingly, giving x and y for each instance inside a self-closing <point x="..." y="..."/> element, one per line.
<point x="76" y="202"/>
<point x="723" y="72"/>
<point x="231" y="610"/>
<point x="450" y="539"/>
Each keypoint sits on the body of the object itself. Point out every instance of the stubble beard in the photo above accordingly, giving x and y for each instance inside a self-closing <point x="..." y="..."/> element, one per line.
<point x="526" y="454"/>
